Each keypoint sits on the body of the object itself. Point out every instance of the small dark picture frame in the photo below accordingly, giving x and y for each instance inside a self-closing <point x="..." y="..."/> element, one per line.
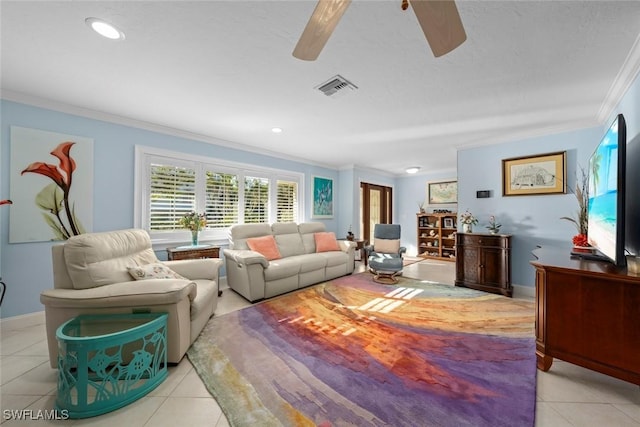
<point x="448" y="222"/>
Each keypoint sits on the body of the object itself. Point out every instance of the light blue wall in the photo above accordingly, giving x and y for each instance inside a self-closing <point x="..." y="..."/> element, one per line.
<point x="412" y="189"/>
<point x="26" y="267"/>
<point x="534" y="220"/>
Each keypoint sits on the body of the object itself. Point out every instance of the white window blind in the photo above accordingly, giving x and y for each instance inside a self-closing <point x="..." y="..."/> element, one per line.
<point x="287" y="201"/>
<point x="170" y="184"/>
<point x="256" y="200"/>
<point x="221" y="199"/>
<point x="172" y="194"/>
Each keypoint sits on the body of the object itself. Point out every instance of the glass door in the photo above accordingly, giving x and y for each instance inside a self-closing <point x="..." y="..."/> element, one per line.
<point x="375" y="208"/>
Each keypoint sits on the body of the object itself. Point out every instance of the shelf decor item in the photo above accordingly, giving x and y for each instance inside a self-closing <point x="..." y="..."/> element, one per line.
<point x="468" y="220"/>
<point x="194" y="222"/>
<point x="493" y="227"/>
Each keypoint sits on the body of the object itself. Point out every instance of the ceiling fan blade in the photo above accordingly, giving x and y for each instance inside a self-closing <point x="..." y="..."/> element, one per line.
<point x="441" y="24"/>
<point x="319" y="28"/>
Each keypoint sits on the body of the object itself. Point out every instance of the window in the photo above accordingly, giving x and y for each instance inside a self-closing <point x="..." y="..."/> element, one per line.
<point x="169" y="185"/>
<point x="287" y="201"/>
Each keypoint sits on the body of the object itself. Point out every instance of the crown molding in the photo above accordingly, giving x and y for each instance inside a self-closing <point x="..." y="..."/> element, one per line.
<point x="621" y="84"/>
<point x="149" y="126"/>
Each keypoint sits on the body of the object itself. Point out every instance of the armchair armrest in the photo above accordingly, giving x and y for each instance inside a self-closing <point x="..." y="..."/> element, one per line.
<point x="192" y="269"/>
<point x="245" y="257"/>
<point x="347" y="246"/>
<point x="368" y="249"/>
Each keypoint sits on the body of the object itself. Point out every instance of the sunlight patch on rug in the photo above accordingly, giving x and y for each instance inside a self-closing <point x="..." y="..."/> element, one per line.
<point x="354" y="352"/>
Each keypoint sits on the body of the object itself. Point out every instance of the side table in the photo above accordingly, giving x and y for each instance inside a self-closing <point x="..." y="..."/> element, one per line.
<point x="194" y="252"/>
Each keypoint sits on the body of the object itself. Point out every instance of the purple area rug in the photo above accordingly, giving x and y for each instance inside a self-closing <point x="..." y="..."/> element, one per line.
<point x="351" y="352"/>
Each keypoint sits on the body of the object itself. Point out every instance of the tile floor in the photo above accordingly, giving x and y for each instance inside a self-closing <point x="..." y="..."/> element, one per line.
<point x="567" y="395"/>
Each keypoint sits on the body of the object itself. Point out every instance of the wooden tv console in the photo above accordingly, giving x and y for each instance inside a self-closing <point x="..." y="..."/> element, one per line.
<point x="587" y="313"/>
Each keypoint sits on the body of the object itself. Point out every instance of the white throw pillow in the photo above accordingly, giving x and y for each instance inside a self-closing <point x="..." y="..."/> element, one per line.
<point x="153" y="271"/>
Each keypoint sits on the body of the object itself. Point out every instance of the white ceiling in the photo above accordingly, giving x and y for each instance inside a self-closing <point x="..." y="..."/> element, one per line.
<point x="224" y="70"/>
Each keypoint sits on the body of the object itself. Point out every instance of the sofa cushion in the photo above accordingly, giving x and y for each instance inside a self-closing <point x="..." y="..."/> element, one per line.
<point x="124" y="294"/>
<point x="290" y="244"/>
<point x="265" y="245"/>
<point x="239" y="234"/>
<point x="307" y="231"/>
<point x="334" y="258"/>
<point x="388" y="246"/>
<point x="326" y="242"/>
<point x="279" y="269"/>
<point x="98" y="259"/>
<point x="156" y="270"/>
<point x="310" y="262"/>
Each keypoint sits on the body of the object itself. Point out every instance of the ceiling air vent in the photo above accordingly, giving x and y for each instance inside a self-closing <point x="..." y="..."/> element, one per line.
<point x="335" y="85"/>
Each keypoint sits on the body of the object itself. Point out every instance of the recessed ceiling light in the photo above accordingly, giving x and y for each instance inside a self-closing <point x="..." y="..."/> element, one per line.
<point x="276" y="130"/>
<point x="105" y="29"/>
<point x="413" y="169"/>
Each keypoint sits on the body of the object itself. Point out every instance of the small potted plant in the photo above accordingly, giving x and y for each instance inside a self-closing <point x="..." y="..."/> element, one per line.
<point x="194" y="222"/>
<point x="350" y="236"/>
<point x="581" y="220"/>
<point x="493" y="227"/>
<point x="468" y="220"/>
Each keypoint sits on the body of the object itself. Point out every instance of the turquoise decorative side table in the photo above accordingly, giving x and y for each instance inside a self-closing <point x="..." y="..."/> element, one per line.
<point x="108" y="361"/>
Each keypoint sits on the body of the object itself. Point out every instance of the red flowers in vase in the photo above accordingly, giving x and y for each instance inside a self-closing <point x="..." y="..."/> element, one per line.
<point x="580" y="240"/>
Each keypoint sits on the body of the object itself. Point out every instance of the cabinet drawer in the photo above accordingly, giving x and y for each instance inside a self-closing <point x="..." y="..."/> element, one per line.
<point x="483" y="240"/>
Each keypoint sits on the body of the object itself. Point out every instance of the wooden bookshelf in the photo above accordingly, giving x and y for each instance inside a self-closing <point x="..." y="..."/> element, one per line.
<point x="437" y="235"/>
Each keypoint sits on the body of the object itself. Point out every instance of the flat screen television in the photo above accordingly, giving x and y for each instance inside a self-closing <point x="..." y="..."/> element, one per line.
<point x="607" y="182"/>
<point x="632" y="201"/>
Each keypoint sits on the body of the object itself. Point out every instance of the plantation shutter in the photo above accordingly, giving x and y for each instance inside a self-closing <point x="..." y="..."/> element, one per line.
<point x="172" y="195"/>
<point x="256" y="200"/>
<point x="221" y="199"/>
<point x="287" y="201"/>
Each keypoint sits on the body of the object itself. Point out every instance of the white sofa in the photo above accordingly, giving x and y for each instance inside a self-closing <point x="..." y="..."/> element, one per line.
<point x="91" y="276"/>
<point x="250" y="274"/>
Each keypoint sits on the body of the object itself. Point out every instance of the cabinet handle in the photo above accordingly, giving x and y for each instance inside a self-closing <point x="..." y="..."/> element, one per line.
<point x="480" y="241"/>
<point x="481" y="266"/>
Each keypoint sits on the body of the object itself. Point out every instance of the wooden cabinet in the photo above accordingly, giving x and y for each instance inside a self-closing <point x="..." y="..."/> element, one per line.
<point x="587" y="314"/>
<point x="483" y="262"/>
<point x="437" y="235"/>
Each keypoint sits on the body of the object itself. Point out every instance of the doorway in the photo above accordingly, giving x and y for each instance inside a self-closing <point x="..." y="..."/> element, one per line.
<point x="375" y="208"/>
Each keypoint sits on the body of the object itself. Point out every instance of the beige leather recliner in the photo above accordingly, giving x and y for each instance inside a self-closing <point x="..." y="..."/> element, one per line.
<point x="91" y="276"/>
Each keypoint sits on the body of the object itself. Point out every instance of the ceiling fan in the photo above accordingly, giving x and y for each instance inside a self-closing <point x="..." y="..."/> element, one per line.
<point x="439" y="19"/>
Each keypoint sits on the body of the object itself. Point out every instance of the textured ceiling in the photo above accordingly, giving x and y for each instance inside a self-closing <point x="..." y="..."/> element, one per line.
<point x="224" y="70"/>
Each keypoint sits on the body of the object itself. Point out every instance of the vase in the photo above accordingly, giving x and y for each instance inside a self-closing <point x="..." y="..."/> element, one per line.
<point x="493" y="231"/>
<point x="194" y="237"/>
<point x="467" y="228"/>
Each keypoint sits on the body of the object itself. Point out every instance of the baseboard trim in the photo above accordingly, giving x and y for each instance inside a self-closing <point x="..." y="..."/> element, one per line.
<point x="524" y="292"/>
<point x="23" y="320"/>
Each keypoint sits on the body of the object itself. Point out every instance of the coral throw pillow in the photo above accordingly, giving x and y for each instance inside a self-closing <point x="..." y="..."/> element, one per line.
<point x="153" y="271"/>
<point x="266" y="246"/>
<point x="326" y="242"/>
<point x="387" y="246"/>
